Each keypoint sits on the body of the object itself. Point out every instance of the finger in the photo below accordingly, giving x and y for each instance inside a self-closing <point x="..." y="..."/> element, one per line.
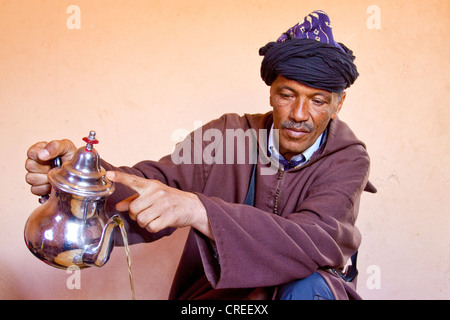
<point x="155" y="217"/>
<point x="41" y="190"/>
<point x="124" y="205"/>
<point x="42" y="152"/>
<point x="136" y="183"/>
<point x="34" y="150"/>
<point x="57" y="148"/>
<point x="155" y="225"/>
<point x="39" y="183"/>
<point x="36" y="179"/>
<point x="141" y="210"/>
<point x="36" y="167"/>
<point x="145" y="218"/>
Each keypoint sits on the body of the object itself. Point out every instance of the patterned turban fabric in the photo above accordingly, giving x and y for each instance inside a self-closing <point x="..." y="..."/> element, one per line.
<point x="308" y="53"/>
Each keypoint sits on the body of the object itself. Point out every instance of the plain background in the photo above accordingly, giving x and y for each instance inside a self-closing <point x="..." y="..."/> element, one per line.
<point x="140" y="73"/>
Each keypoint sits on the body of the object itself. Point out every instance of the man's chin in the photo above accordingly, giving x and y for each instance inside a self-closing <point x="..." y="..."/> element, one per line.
<point x="289" y="151"/>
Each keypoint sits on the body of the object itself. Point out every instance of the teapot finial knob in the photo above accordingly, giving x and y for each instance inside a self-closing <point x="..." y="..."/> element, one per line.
<point x="90" y="140"/>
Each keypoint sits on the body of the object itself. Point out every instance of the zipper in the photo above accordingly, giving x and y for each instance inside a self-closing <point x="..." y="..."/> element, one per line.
<point x="278" y="191"/>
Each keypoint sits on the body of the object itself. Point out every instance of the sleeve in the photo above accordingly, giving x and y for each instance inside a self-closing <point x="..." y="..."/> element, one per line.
<point x="184" y="169"/>
<point x="187" y="177"/>
<point x="259" y="249"/>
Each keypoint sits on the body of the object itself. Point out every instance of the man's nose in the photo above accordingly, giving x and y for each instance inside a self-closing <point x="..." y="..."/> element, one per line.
<point x="300" y="111"/>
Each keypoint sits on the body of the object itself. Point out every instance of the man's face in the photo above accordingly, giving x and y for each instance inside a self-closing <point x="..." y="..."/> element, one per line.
<point x="301" y="114"/>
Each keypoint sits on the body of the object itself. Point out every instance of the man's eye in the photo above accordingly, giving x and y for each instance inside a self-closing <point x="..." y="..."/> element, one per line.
<point x="286" y="96"/>
<point x="318" y="102"/>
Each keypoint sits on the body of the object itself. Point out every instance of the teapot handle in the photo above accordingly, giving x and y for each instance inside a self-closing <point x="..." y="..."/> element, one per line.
<point x="55" y="163"/>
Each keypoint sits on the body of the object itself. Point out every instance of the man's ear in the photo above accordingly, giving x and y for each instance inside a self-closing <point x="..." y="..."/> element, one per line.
<point x="339" y="105"/>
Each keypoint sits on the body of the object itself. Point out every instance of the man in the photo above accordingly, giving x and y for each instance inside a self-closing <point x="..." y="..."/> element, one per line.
<point x="282" y="226"/>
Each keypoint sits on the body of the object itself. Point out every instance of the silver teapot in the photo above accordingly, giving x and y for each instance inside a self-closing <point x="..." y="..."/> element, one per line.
<point x="70" y="227"/>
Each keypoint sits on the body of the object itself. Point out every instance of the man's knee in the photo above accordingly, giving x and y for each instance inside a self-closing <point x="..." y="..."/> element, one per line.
<point x="313" y="287"/>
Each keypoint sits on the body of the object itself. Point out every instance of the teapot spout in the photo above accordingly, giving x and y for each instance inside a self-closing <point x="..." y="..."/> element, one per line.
<point x="98" y="255"/>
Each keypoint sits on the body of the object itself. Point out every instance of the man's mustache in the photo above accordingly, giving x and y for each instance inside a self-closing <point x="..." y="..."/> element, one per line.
<point x="303" y="126"/>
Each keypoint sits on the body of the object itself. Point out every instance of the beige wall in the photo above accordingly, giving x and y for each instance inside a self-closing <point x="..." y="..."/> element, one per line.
<point x="137" y="71"/>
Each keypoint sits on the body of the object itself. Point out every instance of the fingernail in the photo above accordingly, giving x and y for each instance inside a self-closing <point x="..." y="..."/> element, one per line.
<point x="44" y="154"/>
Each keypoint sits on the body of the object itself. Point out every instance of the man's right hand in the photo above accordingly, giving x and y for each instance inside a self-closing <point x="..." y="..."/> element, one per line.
<point x="39" y="162"/>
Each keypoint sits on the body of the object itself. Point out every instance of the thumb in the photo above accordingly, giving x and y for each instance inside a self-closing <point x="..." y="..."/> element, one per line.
<point x="133" y="182"/>
<point x="57" y="148"/>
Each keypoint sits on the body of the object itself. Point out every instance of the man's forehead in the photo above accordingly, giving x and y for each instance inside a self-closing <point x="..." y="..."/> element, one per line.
<point x="294" y="85"/>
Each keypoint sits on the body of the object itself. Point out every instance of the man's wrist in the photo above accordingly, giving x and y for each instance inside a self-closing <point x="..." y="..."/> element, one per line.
<point x="200" y="220"/>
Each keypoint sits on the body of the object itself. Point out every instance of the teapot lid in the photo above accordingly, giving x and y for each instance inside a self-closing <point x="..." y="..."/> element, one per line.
<point x="83" y="176"/>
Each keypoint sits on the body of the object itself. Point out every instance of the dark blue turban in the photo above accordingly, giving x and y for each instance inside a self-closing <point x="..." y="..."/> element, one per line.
<point x="307" y="53"/>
